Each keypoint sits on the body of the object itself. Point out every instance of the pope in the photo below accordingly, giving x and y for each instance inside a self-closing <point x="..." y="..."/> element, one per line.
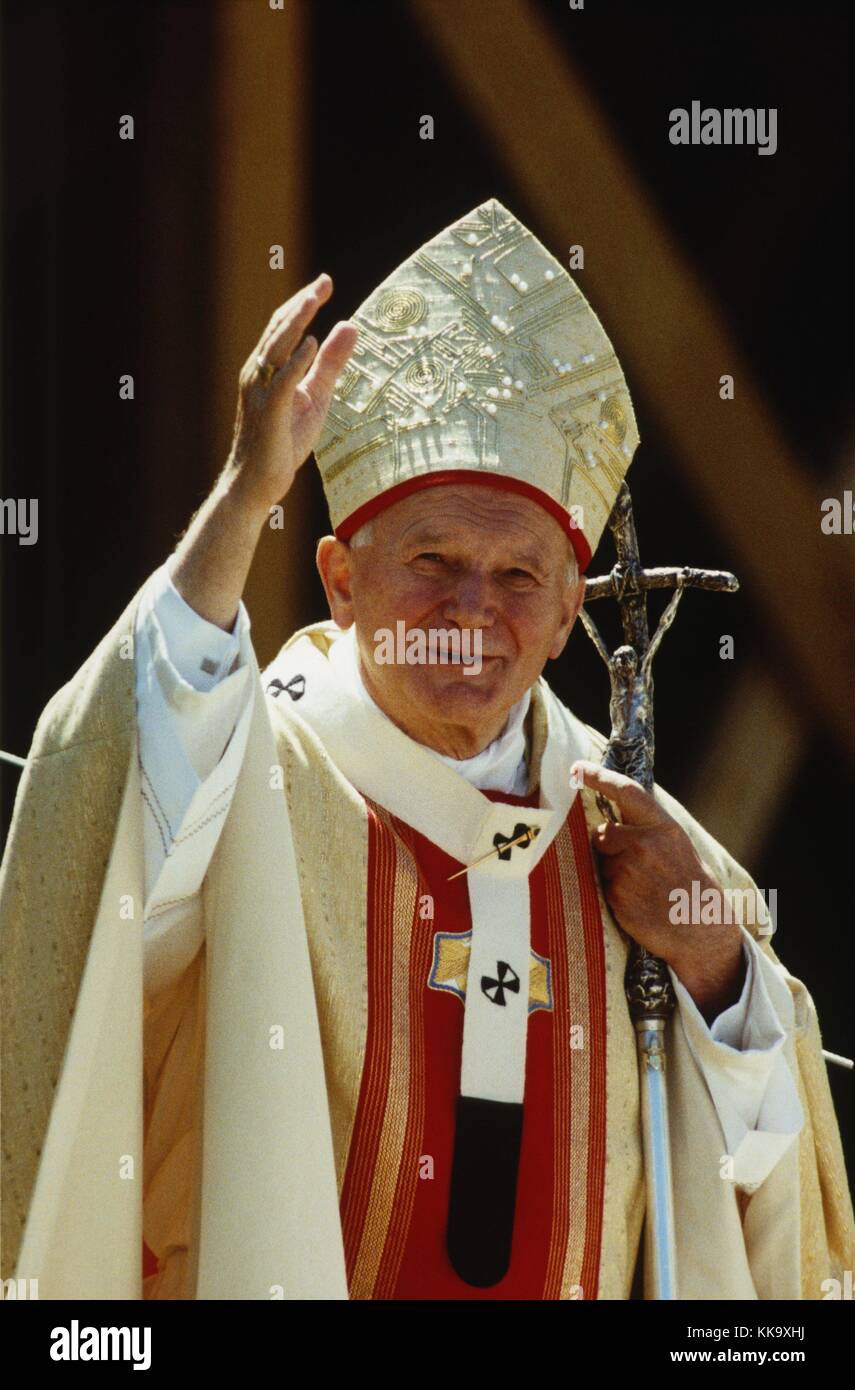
<point x="314" y="977"/>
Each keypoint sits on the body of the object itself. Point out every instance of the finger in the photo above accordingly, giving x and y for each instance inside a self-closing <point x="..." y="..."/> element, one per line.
<point x="611" y="839"/>
<point x="288" y="324"/>
<point x="609" y="870"/>
<point x="329" y="363"/>
<point x="290" y="374"/>
<point x="283" y="341"/>
<point x="636" y="806"/>
<point x="336" y="349"/>
<point x="318" y="289"/>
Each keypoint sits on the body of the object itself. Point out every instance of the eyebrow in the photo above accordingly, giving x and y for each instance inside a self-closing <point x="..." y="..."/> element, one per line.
<point x="425" y="539"/>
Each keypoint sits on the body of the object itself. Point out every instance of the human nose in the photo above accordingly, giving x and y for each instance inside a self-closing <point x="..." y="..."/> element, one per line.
<point x="470" y="603"/>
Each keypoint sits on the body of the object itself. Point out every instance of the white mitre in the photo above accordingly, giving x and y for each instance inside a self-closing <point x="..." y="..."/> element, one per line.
<point x="480" y="360"/>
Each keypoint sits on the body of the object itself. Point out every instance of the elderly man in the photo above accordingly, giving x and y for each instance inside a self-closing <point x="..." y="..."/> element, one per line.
<point x="385" y="1048"/>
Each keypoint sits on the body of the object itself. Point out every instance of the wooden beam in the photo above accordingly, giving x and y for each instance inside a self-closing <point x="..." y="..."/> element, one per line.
<point x="260" y="201"/>
<point x="749" y="763"/>
<point x="669" y="332"/>
<point x="737" y="810"/>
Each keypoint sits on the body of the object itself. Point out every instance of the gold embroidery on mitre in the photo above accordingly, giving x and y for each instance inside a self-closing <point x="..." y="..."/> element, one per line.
<point x="450" y="970"/>
<point x="399" y="308"/>
<point x="480" y="352"/>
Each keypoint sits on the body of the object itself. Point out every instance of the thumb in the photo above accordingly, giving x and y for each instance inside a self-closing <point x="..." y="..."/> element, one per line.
<point x="331" y="360"/>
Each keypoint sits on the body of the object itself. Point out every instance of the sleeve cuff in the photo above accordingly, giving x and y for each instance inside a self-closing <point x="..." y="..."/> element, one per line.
<point x="201" y="653"/>
<point x="751" y="1024"/>
<point x="743" y="1061"/>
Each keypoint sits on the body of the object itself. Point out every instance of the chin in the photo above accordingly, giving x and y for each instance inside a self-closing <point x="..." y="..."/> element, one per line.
<point x="449" y="692"/>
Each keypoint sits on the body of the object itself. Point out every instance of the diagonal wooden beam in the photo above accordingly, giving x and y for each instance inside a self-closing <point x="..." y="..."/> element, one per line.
<point x="670" y="334"/>
<point x="749" y="762"/>
<point x="739" y="811"/>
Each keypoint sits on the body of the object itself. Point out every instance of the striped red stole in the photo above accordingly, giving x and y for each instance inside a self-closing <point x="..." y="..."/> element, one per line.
<point x="394" y="1199"/>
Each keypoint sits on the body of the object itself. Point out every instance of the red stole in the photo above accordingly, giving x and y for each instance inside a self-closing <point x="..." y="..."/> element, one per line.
<point x="394" y="1200"/>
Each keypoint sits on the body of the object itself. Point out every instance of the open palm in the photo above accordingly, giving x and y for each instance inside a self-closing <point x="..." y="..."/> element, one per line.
<point x="279" y="422"/>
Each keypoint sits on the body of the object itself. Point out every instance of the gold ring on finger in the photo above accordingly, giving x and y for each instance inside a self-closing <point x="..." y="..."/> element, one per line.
<point x="264" y="371"/>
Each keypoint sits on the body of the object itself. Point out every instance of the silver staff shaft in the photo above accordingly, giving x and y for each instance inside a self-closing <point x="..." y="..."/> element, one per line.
<point x="13" y="759"/>
<point x="660" y="1249"/>
<point x="652" y="1001"/>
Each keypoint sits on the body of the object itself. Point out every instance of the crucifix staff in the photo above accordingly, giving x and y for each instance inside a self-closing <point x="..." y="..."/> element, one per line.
<point x="630" y="750"/>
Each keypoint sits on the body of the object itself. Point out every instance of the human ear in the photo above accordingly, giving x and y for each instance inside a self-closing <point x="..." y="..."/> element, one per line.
<point x="572" y="599"/>
<point x="334" y="562"/>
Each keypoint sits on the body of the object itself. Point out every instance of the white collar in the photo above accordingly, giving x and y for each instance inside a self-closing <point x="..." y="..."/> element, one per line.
<point x="501" y="766"/>
<point x="386" y="766"/>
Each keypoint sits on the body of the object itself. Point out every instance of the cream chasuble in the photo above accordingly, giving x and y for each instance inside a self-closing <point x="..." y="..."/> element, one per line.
<point x="217" y="1117"/>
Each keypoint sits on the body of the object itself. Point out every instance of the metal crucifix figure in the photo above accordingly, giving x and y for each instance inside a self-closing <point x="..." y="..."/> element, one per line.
<point x="630" y="751"/>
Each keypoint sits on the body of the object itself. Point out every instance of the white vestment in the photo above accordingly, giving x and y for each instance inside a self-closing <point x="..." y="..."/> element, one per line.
<point x="195" y="702"/>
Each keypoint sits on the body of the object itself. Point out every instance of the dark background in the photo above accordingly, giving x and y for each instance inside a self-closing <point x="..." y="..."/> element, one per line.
<point x="107" y="265"/>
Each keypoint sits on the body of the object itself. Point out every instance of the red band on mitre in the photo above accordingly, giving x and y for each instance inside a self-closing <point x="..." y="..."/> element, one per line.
<point x="352" y="523"/>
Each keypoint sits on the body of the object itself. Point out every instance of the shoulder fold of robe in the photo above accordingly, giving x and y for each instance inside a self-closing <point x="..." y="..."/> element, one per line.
<point x="258" y="1218"/>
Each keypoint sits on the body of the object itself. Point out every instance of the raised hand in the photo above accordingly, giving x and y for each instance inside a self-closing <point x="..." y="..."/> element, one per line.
<point x="284" y="393"/>
<point x="285" y="388"/>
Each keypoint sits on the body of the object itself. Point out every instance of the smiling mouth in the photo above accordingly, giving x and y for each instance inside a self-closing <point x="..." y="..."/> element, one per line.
<point x="470" y="670"/>
<point x="468" y="661"/>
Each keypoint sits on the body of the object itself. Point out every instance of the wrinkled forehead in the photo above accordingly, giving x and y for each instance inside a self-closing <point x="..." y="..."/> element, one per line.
<point x="472" y="514"/>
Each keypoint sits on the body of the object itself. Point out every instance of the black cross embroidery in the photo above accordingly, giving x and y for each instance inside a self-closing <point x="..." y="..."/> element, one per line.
<point x="495" y="989"/>
<point x="530" y="832"/>
<point x="296" y="687"/>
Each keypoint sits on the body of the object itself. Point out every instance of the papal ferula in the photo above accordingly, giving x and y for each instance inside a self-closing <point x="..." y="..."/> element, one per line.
<point x="371" y="902"/>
